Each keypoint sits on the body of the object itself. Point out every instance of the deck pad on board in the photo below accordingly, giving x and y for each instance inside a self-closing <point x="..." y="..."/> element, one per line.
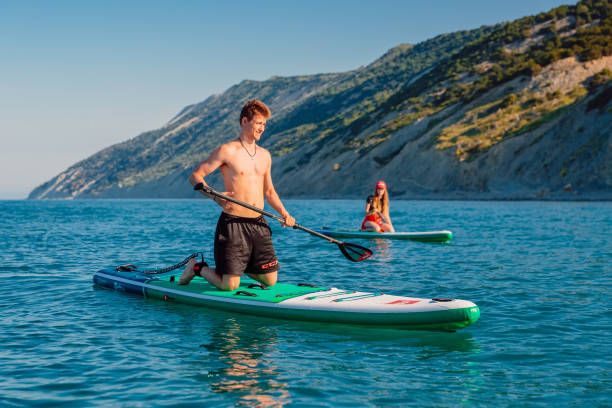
<point x="274" y="294"/>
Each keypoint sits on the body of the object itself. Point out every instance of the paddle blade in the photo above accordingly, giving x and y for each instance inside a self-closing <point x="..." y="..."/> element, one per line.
<point x="355" y="253"/>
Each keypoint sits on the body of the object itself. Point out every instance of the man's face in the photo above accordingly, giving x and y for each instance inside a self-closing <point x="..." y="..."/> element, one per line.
<point x="255" y="127"/>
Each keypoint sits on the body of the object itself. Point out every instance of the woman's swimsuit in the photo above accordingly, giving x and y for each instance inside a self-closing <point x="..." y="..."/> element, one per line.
<point x="372" y="217"/>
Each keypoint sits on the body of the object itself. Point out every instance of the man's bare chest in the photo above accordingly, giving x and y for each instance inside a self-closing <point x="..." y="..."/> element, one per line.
<point x="246" y="168"/>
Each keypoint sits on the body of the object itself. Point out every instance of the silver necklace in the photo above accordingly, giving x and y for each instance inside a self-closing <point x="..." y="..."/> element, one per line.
<point x="252" y="156"/>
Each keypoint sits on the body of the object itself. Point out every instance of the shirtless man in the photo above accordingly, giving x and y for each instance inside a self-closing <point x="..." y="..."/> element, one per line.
<point x="243" y="241"/>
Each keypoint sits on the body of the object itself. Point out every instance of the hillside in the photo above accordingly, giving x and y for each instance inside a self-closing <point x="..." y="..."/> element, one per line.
<point x="519" y="110"/>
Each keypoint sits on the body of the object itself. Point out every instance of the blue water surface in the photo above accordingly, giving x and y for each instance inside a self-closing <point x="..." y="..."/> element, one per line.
<point x="540" y="272"/>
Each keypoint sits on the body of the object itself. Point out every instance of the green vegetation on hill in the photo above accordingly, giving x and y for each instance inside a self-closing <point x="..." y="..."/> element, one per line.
<point x="551" y="40"/>
<point x="488" y="124"/>
<point x="516" y="49"/>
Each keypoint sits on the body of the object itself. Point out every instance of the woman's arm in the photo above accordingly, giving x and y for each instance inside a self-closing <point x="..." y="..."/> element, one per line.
<point x="387" y="217"/>
<point x="369" y="205"/>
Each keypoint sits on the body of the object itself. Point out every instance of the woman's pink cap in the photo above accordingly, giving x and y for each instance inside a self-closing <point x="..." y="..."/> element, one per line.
<point x="381" y="184"/>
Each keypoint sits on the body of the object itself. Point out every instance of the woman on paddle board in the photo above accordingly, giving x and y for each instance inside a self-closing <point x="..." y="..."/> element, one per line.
<point x="243" y="242"/>
<point x="377" y="211"/>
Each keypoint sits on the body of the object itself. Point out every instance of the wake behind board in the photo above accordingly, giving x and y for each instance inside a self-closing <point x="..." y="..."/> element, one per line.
<point x="299" y="302"/>
<point x="425" y="236"/>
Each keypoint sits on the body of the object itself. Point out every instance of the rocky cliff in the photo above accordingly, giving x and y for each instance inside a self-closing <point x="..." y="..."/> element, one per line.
<point x="519" y="110"/>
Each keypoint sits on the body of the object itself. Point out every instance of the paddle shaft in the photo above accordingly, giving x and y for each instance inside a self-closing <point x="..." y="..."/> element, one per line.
<point x="209" y="190"/>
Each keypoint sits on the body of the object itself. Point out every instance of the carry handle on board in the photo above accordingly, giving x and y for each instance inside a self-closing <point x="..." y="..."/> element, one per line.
<point x="352" y="252"/>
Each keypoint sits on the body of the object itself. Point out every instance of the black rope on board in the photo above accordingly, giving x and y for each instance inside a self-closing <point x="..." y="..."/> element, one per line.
<point x="130" y="267"/>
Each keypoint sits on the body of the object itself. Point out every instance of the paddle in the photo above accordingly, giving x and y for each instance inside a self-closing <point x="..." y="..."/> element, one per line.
<point x="352" y="252"/>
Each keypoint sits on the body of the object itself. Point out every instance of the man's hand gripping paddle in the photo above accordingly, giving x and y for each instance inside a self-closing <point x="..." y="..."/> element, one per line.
<point x="352" y="252"/>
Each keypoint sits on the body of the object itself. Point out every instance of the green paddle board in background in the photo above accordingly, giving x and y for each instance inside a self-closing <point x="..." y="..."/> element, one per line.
<point x="424" y="236"/>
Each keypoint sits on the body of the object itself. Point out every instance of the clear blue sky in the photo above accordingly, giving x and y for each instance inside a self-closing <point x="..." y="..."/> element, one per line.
<point x="78" y="76"/>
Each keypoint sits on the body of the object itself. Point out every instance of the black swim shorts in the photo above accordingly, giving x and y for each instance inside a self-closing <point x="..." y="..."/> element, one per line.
<point x="244" y="245"/>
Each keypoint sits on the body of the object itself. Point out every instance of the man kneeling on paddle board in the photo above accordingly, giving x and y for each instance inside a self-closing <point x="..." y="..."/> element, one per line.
<point x="243" y="239"/>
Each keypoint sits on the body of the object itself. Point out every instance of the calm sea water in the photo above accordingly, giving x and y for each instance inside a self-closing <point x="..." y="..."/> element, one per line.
<point x="541" y="273"/>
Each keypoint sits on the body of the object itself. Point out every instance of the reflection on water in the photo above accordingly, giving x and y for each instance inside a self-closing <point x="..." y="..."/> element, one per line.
<point x="431" y="344"/>
<point x="247" y="362"/>
<point x="382" y="249"/>
<point x="435" y="346"/>
<point x="242" y="350"/>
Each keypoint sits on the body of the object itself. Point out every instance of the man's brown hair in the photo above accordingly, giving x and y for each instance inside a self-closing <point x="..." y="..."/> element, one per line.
<point x="253" y="107"/>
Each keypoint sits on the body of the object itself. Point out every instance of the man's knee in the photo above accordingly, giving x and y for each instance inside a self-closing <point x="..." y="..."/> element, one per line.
<point x="230" y="283"/>
<point x="231" y="286"/>
<point x="269" y="279"/>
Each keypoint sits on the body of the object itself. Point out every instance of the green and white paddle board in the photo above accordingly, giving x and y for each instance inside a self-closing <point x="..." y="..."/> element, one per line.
<point x="424" y="236"/>
<point x="300" y="302"/>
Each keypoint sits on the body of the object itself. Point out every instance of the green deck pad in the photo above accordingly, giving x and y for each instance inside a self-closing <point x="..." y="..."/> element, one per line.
<point x="273" y="294"/>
